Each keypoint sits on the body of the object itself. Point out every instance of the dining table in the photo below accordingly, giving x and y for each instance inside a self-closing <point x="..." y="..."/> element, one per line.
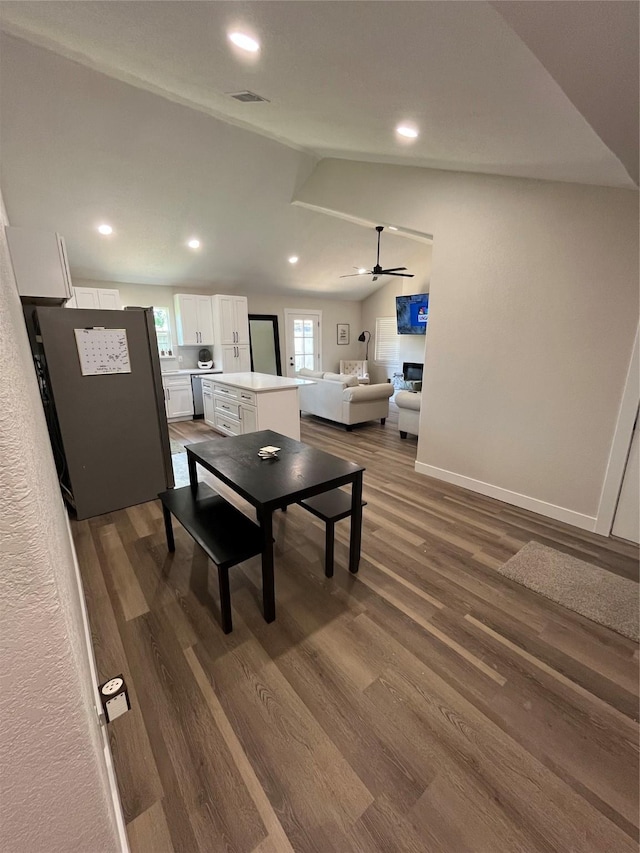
<point x="295" y="472"/>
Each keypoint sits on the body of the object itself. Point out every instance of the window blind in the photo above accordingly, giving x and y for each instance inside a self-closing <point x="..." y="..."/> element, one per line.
<point x="387" y="350"/>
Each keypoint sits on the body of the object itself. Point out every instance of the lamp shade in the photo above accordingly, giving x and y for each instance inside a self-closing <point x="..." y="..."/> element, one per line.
<point x="362" y="338"/>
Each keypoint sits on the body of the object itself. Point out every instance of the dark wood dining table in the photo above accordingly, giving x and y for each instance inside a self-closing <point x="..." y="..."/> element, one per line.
<point x="297" y="472"/>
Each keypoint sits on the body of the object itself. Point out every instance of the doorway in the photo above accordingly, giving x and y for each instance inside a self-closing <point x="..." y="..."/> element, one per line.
<point x="303" y="340"/>
<point x="264" y="340"/>
<point x="626" y="522"/>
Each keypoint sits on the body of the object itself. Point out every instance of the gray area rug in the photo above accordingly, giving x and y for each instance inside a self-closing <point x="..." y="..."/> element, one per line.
<point x="180" y="469"/>
<point x="601" y="596"/>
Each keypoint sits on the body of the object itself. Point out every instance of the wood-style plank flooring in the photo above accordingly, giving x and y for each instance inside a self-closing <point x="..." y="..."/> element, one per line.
<point x="428" y="704"/>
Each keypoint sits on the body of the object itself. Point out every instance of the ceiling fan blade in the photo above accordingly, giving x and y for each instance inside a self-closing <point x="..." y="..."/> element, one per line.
<point x="353" y="274"/>
<point x="400" y="274"/>
<point x="394" y="269"/>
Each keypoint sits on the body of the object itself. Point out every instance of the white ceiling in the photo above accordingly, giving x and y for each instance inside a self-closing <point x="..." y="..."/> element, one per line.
<point x="79" y="146"/>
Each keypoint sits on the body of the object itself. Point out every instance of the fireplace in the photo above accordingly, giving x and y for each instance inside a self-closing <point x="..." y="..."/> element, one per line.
<point x="412" y="371"/>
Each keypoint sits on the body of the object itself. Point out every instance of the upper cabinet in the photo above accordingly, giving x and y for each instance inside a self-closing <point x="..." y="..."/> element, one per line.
<point x="40" y="263"/>
<point x="194" y="322"/>
<point x="231" y="316"/>
<point x="95" y="297"/>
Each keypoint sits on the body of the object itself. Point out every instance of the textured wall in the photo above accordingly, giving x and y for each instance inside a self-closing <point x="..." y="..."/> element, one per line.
<point x="53" y="786"/>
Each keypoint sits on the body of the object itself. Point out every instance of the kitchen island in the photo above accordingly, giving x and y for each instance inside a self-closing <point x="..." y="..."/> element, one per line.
<point x="239" y="403"/>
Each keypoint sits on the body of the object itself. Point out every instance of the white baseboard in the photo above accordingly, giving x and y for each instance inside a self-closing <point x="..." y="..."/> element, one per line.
<point x="558" y="513"/>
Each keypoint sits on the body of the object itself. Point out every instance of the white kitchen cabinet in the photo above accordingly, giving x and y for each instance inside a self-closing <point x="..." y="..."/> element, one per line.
<point x="231" y="315"/>
<point x="39" y="260"/>
<point x="194" y="322"/>
<point x="178" y="397"/>
<point x="95" y="297"/>
<point x="235" y="359"/>
<point x="207" y="405"/>
<point x="251" y="401"/>
<point x="231" y="332"/>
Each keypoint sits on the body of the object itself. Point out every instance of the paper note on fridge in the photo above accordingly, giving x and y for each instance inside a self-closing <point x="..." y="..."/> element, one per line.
<point x="103" y="351"/>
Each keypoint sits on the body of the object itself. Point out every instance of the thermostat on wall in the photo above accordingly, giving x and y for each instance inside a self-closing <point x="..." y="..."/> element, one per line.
<point x="115" y="698"/>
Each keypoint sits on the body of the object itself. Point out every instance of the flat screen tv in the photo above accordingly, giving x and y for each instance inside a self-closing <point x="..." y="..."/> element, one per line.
<point x="412" y="313"/>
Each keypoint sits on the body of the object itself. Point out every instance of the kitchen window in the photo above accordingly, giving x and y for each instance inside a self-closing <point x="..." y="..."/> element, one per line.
<point x="163" y="331"/>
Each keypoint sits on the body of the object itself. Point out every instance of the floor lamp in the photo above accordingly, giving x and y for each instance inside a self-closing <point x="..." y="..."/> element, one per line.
<point x="361" y="337"/>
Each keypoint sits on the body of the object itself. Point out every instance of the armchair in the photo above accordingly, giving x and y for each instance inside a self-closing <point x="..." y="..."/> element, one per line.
<point x="356" y="368"/>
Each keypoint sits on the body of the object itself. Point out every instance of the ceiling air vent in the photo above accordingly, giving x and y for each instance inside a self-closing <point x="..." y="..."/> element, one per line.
<point x="248" y="97"/>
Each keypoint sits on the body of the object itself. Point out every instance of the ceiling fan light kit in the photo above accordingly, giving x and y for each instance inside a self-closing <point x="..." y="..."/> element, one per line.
<point x="377" y="270"/>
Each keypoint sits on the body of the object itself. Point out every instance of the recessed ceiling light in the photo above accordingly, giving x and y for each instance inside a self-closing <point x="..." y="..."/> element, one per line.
<point x="105" y="229"/>
<point x="293" y="259"/>
<point x="194" y="244"/>
<point x="392" y="228"/>
<point x="408" y="132"/>
<point x="361" y="270"/>
<point x="244" y="42"/>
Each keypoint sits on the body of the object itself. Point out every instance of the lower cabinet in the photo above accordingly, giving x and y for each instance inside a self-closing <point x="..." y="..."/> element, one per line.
<point x="207" y="404"/>
<point x="228" y="409"/>
<point x="236" y="410"/>
<point x="178" y="397"/>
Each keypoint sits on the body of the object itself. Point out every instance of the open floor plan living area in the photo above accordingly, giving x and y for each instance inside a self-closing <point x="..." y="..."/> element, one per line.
<point x="319" y="451"/>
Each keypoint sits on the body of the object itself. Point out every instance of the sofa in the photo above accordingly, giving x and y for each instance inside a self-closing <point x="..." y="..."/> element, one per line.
<point x="408" y="403"/>
<point x="340" y="398"/>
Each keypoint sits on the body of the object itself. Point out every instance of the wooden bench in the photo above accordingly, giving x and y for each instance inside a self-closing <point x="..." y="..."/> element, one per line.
<point x="331" y="507"/>
<point x="226" y="535"/>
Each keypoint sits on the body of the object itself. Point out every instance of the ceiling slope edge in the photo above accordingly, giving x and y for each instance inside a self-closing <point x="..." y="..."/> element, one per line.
<point x="47" y="43"/>
<point x="590" y="92"/>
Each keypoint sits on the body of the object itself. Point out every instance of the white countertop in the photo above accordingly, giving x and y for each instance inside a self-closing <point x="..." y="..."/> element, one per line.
<point x="261" y="381"/>
<point x="191" y="370"/>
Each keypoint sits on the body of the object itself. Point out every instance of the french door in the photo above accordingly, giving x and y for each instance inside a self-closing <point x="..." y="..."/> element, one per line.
<point x="303" y="336"/>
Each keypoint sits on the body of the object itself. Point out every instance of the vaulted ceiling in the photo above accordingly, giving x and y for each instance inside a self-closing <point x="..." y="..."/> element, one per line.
<point x="120" y="112"/>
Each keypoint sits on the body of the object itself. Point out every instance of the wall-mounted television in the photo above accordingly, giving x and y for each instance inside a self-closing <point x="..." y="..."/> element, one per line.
<point x="412" y="313"/>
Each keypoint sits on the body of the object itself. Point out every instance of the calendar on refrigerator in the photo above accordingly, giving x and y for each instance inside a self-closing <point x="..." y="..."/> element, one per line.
<point x="103" y="351"/>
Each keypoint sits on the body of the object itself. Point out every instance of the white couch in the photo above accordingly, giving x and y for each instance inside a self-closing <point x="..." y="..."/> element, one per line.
<point x="408" y="403"/>
<point x="342" y="399"/>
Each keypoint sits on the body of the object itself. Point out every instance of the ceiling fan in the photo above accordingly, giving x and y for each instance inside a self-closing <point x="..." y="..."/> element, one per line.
<point x="377" y="270"/>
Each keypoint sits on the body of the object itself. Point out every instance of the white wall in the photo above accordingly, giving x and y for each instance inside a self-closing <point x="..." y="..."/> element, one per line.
<point x="53" y="784"/>
<point x="382" y="303"/>
<point x="147" y="295"/>
<point x="533" y="310"/>
<point x="333" y="312"/>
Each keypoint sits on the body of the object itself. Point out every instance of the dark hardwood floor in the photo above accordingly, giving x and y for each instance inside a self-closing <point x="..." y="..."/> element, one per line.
<point x="428" y="704"/>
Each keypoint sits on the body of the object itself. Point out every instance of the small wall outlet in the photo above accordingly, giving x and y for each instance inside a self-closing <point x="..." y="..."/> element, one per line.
<point x="115" y="698"/>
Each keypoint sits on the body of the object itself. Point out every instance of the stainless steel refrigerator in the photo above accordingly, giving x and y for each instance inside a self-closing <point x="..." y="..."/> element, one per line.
<point x="108" y="431"/>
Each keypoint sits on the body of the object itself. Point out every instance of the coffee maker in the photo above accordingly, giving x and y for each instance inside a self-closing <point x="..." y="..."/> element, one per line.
<point x="204" y="359"/>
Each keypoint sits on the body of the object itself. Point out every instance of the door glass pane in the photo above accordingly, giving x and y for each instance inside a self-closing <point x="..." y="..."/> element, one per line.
<point x="297" y="327"/>
<point x="308" y="345"/>
<point x="308" y="327"/>
<point x="300" y="363"/>
<point x="298" y="345"/>
<point x="308" y="362"/>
